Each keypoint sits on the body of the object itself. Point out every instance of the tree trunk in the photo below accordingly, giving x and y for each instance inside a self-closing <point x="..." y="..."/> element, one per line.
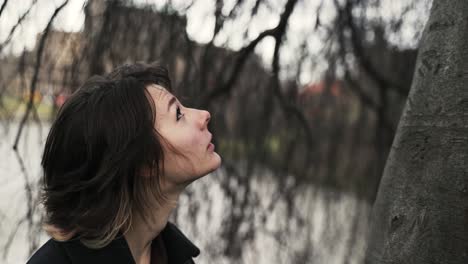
<point x="421" y="211"/>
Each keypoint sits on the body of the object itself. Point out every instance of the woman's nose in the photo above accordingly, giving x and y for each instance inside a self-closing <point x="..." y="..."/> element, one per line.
<point x="206" y="116"/>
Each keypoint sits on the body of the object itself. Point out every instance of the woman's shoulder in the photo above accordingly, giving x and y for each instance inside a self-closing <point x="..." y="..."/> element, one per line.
<point x="73" y="251"/>
<point x="51" y="252"/>
<point x="178" y="247"/>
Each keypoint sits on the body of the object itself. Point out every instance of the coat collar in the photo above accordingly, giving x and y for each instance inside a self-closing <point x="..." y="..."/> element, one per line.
<point x="178" y="247"/>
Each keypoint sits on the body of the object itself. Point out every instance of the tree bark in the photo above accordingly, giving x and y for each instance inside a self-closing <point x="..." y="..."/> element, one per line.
<point x="421" y="211"/>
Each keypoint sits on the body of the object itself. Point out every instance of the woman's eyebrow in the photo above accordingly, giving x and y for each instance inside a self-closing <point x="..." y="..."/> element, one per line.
<point x="171" y="101"/>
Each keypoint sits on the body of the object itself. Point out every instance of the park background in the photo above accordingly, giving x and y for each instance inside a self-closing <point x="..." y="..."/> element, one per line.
<point x="305" y="98"/>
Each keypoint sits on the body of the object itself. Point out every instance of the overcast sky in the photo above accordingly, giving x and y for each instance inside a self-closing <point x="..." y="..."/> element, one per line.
<point x="200" y="24"/>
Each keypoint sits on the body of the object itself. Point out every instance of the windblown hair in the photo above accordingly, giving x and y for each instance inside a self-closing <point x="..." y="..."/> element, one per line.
<point x="101" y="139"/>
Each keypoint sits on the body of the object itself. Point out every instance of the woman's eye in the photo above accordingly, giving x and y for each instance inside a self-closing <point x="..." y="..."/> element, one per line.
<point x="178" y="113"/>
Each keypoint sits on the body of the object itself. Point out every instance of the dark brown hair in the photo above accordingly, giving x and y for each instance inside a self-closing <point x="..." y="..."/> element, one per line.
<point x="97" y="146"/>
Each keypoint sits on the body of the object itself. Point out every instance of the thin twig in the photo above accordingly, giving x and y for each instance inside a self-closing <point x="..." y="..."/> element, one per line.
<point x="246" y="51"/>
<point x="365" y="62"/>
<point x="36" y="72"/>
<point x="12" y="235"/>
<point x="3" y="7"/>
<point x="18" y="23"/>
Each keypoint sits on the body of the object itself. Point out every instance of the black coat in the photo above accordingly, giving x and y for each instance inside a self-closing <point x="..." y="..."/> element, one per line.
<point x="179" y="249"/>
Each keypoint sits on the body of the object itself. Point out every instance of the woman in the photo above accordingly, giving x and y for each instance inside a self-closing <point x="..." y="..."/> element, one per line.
<point x="120" y="152"/>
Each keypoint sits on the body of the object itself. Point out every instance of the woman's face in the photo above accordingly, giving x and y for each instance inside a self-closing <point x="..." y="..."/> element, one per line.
<point x="187" y="130"/>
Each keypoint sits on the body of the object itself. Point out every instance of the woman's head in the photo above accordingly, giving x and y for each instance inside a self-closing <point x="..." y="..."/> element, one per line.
<point x="115" y="150"/>
<point x="186" y="129"/>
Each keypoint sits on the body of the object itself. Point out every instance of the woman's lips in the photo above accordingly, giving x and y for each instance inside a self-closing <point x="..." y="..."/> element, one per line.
<point x="211" y="146"/>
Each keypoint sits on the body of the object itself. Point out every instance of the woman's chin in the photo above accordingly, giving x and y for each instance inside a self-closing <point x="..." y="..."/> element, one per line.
<point x="217" y="161"/>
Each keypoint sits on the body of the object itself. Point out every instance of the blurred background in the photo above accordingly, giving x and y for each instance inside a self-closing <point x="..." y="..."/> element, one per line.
<point x="305" y="97"/>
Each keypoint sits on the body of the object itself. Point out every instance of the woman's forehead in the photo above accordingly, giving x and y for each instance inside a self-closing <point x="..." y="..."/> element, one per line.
<point x="160" y="97"/>
<point x="157" y="92"/>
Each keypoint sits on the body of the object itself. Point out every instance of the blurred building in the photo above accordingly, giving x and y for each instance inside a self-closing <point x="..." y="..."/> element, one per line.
<point x="55" y="73"/>
<point x="115" y="33"/>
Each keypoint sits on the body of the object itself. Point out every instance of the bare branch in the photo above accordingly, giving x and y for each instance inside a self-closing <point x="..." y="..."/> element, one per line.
<point x="255" y="8"/>
<point x="18" y="23"/>
<point x="276" y="32"/>
<point x="36" y="72"/>
<point x="287" y="107"/>
<point x="364" y="60"/>
<point x="3" y="7"/>
<point x="234" y="9"/>
<point x="12" y="235"/>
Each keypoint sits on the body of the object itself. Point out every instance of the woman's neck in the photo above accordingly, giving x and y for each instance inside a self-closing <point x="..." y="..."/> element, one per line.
<point x="141" y="233"/>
